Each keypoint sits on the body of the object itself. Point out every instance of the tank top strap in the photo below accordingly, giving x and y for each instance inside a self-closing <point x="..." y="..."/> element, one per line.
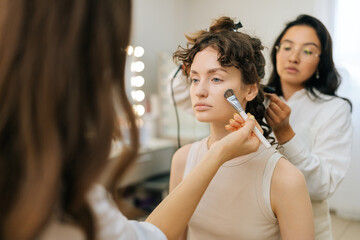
<point x="268" y="173"/>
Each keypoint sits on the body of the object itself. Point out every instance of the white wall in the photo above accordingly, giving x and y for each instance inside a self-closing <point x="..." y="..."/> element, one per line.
<point x="155" y="28"/>
<point x="346" y="200"/>
<point x="261" y="18"/>
<point x="160" y="25"/>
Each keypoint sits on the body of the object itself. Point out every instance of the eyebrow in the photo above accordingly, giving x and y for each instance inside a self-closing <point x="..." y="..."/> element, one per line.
<point x="213" y="70"/>
<point x="305" y="44"/>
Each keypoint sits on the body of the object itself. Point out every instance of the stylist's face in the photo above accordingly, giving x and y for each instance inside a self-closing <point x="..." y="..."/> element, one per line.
<point x="209" y="81"/>
<point x="297" y="56"/>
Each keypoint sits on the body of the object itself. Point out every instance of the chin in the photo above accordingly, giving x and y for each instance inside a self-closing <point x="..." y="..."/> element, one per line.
<point x="201" y="117"/>
<point x="212" y="119"/>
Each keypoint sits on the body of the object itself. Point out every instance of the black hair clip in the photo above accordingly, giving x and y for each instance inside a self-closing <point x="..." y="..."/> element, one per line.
<point x="269" y="89"/>
<point x="237" y="26"/>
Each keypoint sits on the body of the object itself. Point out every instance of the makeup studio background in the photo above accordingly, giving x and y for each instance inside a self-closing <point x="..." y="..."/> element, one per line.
<point x="159" y="27"/>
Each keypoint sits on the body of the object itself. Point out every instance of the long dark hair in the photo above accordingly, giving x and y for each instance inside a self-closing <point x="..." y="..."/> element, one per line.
<point x="329" y="79"/>
<point x="236" y="49"/>
<point x="62" y="65"/>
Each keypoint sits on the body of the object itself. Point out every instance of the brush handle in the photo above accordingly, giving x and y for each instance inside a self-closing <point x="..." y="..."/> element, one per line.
<point x="256" y="131"/>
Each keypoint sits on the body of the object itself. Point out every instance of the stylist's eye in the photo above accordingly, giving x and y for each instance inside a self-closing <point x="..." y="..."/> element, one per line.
<point x="287" y="48"/>
<point x="307" y="52"/>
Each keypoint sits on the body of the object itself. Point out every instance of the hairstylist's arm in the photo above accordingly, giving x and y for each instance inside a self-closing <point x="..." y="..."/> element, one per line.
<point x="277" y="116"/>
<point x="173" y="214"/>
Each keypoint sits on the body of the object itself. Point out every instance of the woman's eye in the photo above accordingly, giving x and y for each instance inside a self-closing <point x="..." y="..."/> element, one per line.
<point x="194" y="80"/>
<point x="307" y="52"/>
<point x="217" y="80"/>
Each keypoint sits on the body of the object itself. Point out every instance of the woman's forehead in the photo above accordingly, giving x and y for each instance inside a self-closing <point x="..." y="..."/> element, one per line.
<point x="302" y="35"/>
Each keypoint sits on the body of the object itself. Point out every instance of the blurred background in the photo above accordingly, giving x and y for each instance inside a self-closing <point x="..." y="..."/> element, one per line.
<point x="159" y="27"/>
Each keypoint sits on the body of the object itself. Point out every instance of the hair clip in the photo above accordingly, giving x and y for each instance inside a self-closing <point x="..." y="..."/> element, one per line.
<point x="237" y="26"/>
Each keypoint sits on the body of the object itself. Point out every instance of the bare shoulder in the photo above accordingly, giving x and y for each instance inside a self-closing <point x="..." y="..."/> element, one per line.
<point x="290" y="202"/>
<point x="180" y="156"/>
<point x="178" y="165"/>
<point x="287" y="184"/>
<point x="286" y="175"/>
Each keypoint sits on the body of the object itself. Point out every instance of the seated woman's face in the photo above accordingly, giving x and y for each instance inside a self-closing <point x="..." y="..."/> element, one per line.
<point x="209" y="81"/>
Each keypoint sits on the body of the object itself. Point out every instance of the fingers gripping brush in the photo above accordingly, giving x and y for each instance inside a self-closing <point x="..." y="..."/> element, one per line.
<point x="231" y="98"/>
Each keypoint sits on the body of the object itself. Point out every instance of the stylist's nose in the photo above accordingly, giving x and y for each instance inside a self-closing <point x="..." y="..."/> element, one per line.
<point x="294" y="57"/>
<point x="202" y="89"/>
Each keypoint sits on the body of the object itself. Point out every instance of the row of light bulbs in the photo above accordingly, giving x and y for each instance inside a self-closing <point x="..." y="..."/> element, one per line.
<point x="137" y="81"/>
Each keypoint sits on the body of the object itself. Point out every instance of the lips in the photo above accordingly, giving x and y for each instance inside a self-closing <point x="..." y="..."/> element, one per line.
<point x="201" y="106"/>
<point x="291" y="70"/>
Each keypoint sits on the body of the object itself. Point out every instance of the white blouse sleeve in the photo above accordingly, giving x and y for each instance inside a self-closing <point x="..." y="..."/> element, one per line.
<point x="113" y="225"/>
<point x="325" y="165"/>
<point x="181" y="88"/>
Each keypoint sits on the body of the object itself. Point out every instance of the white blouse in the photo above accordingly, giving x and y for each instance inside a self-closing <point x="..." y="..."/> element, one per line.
<point x="321" y="147"/>
<point x="113" y="225"/>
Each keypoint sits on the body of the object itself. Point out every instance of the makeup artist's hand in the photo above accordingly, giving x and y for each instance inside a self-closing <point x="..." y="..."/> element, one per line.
<point x="240" y="142"/>
<point x="237" y="122"/>
<point x="277" y="116"/>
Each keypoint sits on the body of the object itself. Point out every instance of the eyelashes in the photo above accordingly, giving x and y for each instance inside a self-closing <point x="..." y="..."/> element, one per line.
<point x="215" y="80"/>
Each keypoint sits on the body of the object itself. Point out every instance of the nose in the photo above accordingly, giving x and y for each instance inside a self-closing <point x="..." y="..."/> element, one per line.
<point x="294" y="56"/>
<point x="202" y="89"/>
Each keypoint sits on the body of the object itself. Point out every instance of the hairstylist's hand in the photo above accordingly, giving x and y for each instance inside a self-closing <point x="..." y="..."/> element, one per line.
<point x="277" y="116"/>
<point x="240" y="142"/>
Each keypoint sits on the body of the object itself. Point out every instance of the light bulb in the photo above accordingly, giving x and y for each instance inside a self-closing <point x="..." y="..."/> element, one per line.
<point x="130" y="50"/>
<point x="137" y="81"/>
<point x="137" y="66"/>
<point x="139" y="109"/>
<point x="139" y="51"/>
<point x="138" y="95"/>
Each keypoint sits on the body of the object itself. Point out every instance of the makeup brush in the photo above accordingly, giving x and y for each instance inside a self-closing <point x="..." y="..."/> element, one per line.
<point x="231" y="98"/>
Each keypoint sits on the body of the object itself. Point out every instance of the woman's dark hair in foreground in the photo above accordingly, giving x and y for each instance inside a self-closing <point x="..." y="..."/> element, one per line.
<point x="329" y="79"/>
<point x="236" y="49"/>
<point x="61" y="67"/>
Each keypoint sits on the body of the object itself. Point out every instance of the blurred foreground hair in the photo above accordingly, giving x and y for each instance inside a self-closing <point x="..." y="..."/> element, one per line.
<point x="61" y="67"/>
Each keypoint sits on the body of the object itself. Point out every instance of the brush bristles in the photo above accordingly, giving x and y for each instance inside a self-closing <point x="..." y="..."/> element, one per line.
<point x="228" y="93"/>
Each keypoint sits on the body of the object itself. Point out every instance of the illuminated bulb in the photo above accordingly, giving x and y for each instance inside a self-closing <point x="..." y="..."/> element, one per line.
<point x="137" y="81"/>
<point x="137" y="66"/>
<point x="130" y="50"/>
<point x="139" y="109"/>
<point x="133" y="94"/>
<point x="139" y="51"/>
<point x="138" y="95"/>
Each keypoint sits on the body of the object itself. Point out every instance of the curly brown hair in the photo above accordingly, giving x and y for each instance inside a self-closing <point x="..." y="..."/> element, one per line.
<point x="236" y="49"/>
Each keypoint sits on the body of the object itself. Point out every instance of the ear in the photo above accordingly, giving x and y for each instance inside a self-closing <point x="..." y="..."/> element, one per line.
<point x="251" y="91"/>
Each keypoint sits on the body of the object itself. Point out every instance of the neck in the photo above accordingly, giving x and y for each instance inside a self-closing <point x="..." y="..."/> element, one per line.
<point x="217" y="132"/>
<point x="288" y="90"/>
